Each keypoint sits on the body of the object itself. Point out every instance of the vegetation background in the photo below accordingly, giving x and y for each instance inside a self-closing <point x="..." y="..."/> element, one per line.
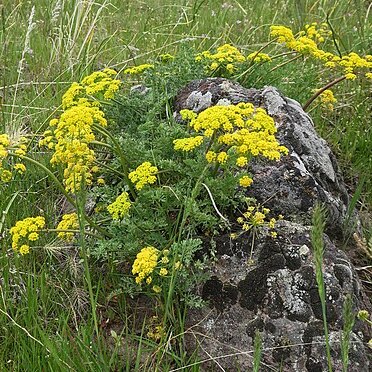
<point x="44" y="47"/>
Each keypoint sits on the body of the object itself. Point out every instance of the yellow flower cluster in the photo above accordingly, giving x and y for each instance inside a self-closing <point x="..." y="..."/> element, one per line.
<point x="4" y="143"/>
<point x="120" y="207"/>
<point x="188" y="144"/>
<point x="151" y="264"/>
<point x="102" y="82"/>
<point x="6" y="149"/>
<point x="256" y="217"/>
<point x="5" y="175"/>
<point x="245" y="181"/>
<point x="136" y="70"/>
<point x="69" y="221"/>
<point x="315" y="33"/>
<point x="306" y="43"/>
<point x="21" y="168"/>
<point x="233" y="131"/>
<point x="166" y="57"/>
<point x="24" y="231"/>
<point x="259" y="57"/>
<point x="99" y="82"/>
<point x="145" y="174"/>
<point x="327" y="99"/>
<point x="241" y="128"/>
<point x="71" y="135"/>
<point x="225" y="59"/>
<point x="144" y="264"/>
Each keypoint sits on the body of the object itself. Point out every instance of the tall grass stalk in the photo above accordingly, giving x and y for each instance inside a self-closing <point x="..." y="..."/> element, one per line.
<point x="317" y="231"/>
<point x="349" y="319"/>
<point x="26" y="49"/>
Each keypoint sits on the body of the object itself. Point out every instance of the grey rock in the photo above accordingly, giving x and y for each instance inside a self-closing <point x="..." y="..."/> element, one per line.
<point x="277" y="294"/>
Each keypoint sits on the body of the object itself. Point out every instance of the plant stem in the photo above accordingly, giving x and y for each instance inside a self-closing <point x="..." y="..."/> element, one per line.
<point x="286" y="62"/>
<point x="321" y="90"/>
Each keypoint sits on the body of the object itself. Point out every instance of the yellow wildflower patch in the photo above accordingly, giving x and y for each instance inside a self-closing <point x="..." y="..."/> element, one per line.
<point x="24" y="231"/>
<point x="226" y="59"/>
<point x="259" y="57"/>
<point x="69" y="222"/>
<point x="145" y="263"/>
<point x="306" y="42"/>
<point x="136" y="70"/>
<point x="120" y="207"/>
<point x="145" y="174"/>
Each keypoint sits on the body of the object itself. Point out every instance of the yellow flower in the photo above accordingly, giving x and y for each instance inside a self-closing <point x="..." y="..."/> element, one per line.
<point x="259" y="57"/>
<point x="188" y="114"/>
<point x="226" y="58"/>
<point x="145" y="263"/>
<point x="71" y="135"/>
<point x="242" y="161"/>
<point x="24" y="249"/>
<point x="222" y="157"/>
<point x="240" y="220"/>
<point x="166" y="57"/>
<point x="33" y="236"/>
<point x="363" y="315"/>
<point x="120" y="207"/>
<point x="327" y="99"/>
<point x="245" y="181"/>
<point x="306" y="44"/>
<point x="210" y="156"/>
<point x="163" y="272"/>
<point x="5" y="175"/>
<point x="272" y="223"/>
<point x="258" y="219"/>
<point x="101" y="82"/>
<point x="145" y="174"/>
<point x="136" y="70"/>
<point x="350" y="76"/>
<point x="26" y="230"/>
<point x="4" y="140"/>
<point x="20" y="168"/>
<point x="188" y="144"/>
<point x="69" y="221"/>
<point x="165" y="260"/>
<point x="100" y="181"/>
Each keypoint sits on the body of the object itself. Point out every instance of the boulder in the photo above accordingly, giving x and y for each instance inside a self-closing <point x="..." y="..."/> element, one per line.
<point x="276" y="293"/>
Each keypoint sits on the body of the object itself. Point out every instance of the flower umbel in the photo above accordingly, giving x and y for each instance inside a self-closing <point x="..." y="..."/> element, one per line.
<point x="232" y="135"/>
<point x="25" y="231"/>
<point x="145" y="263"/>
<point x="71" y="135"/>
<point x="145" y="174"/>
<point x="69" y="221"/>
<point x="225" y="60"/>
<point x="120" y="207"/>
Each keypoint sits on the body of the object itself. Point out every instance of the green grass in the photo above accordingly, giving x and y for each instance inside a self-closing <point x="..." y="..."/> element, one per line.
<point x="46" y="321"/>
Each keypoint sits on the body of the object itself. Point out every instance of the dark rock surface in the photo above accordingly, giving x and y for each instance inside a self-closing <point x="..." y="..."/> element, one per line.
<point x="277" y="293"/>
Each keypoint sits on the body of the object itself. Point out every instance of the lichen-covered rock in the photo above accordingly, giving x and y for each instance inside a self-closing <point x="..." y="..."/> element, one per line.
<point x="277" y="294"/>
